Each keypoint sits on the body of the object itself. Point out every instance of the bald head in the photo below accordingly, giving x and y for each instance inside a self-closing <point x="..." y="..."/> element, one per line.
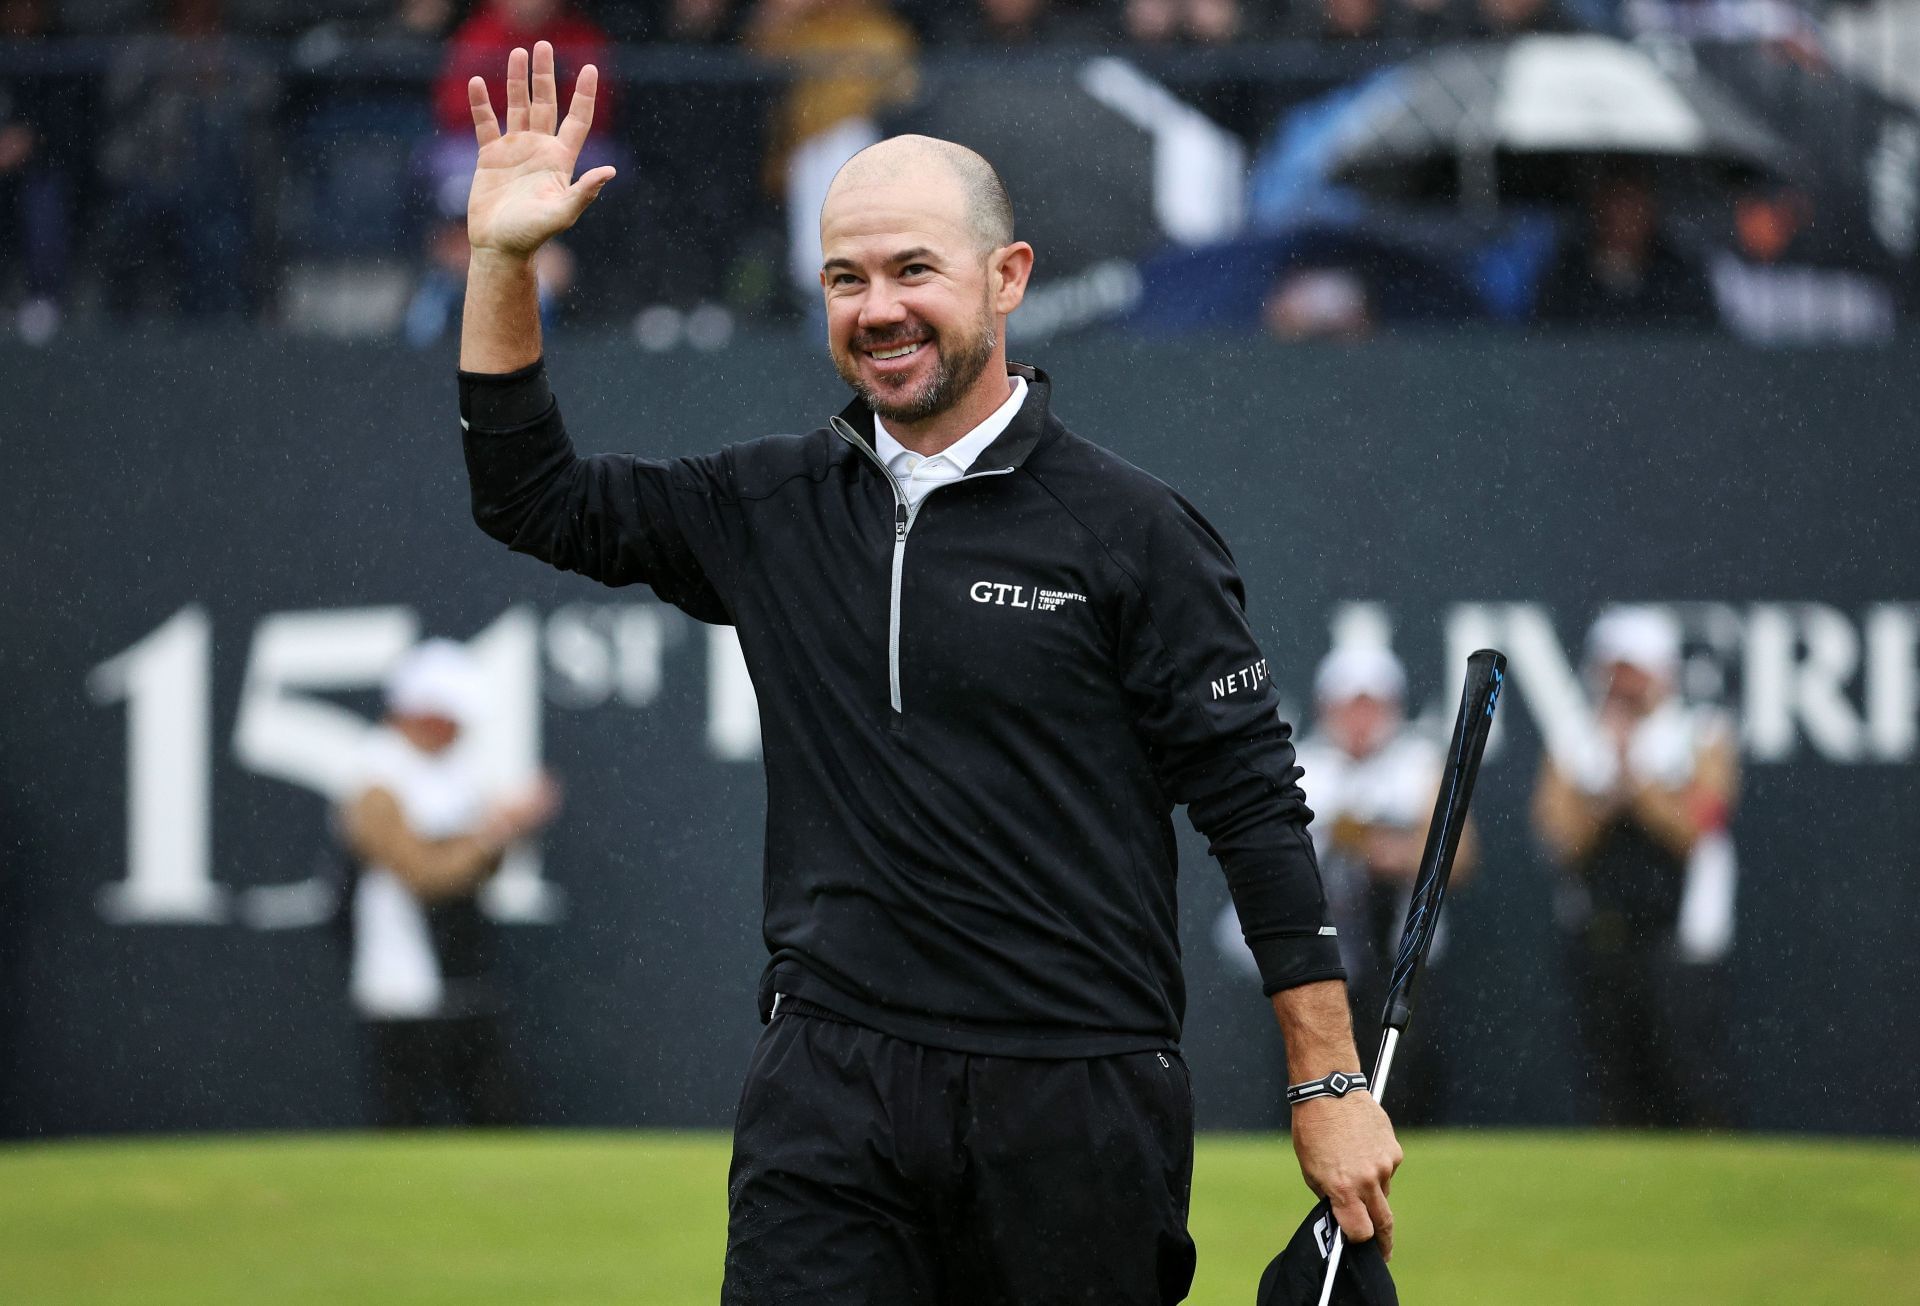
<point x="929" y="166"/>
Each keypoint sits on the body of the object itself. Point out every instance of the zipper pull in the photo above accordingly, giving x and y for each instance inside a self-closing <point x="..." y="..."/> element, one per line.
<point x="899" y="520"/>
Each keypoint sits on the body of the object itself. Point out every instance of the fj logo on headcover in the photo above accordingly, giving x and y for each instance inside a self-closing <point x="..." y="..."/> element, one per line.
<point x="1021" y="596"/>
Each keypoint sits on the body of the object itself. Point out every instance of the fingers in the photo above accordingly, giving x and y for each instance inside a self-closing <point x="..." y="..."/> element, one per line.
<point x="546" y="90"/>
<point x="517" y="91"/>
<point x="486" y="128"/>
<point x="1364" y="1214"/>
<point x="1353" y="1217"/>
<point x="1381" y="1216"/>
<point x="586" y="190"/>
<point x="573" y="132"/>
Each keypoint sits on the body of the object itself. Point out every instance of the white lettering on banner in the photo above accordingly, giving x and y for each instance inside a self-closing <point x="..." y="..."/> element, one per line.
<point x="297" y="737"/>
<point x="166" y="682"/>
<point x="1800" y="676"/>
<point x="1893" y="681"/>
<point x="507" y="738"/>
<point x="1791" y="672"/>
<point x="1247" y="677"/>
<point x="1008" y="595"/>
<point x="597" y="651"/>
<point x="1800" y="657"/>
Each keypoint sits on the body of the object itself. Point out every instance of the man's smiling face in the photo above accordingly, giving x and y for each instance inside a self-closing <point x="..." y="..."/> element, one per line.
<point x="910" y="312"/>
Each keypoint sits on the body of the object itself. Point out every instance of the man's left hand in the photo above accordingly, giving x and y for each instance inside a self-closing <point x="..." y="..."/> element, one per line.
<point x="1348" y="1155"/>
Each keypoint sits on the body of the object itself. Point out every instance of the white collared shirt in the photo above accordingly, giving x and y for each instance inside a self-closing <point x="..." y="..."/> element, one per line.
<point x="916" y="475"/>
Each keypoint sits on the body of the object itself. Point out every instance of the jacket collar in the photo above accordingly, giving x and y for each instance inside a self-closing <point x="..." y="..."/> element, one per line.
<point x="1010" y="450"/>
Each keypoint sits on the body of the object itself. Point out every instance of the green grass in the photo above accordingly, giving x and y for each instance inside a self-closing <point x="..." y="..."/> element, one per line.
<point x="1485" y="1218"/>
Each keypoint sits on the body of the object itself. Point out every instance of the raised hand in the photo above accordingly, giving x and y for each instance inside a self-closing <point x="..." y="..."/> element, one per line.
<point x="523" y="191"/>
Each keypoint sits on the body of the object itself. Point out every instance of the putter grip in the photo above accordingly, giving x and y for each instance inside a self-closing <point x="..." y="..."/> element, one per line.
<point x="1486" y="673"/>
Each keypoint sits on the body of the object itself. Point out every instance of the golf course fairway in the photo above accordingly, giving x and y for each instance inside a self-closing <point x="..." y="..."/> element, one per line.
<point x="561" y="1217"/>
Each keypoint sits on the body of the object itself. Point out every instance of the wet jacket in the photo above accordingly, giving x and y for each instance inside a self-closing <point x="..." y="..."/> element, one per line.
<point x="976" y="714"/>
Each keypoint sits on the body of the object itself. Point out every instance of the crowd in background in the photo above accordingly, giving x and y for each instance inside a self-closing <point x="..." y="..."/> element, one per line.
<point x="305" y="164"/>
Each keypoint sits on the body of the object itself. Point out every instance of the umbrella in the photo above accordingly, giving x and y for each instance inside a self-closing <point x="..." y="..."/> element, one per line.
<point x="1529" y="118"/>
<point x="1080" y="175"/>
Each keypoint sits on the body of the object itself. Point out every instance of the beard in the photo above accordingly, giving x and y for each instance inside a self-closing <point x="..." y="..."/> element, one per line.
<point x="958" y="367"/>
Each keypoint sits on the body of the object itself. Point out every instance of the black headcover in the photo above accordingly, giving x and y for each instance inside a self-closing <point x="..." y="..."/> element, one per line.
<point x="1295" y="1276"/>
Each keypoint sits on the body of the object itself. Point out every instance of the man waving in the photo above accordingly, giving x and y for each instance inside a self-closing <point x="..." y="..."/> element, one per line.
<point x="990" y="658"/>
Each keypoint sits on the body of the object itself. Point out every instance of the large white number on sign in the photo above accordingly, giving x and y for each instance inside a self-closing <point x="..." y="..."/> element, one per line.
<point x="283" y="733"/>
<point x="307" y="741"/>
<point x="508" y="739"/>
<point x="733" y="713"/>
<point x="284" y="730"/>
<point x="164" y="680"/>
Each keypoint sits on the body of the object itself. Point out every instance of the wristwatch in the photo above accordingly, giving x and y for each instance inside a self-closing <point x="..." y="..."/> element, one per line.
<point x="1338" y="1084"/>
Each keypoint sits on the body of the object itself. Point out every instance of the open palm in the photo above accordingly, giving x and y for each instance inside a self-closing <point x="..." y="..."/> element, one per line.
<point x="523" y="188"/>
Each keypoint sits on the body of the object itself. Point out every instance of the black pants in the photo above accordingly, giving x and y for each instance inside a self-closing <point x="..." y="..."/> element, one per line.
<point x="442" y="1072"/>
<point x="871" y="1171"/>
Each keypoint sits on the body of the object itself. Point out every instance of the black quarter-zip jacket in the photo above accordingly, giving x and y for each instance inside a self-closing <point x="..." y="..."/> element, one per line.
<point x="976" y="715"/>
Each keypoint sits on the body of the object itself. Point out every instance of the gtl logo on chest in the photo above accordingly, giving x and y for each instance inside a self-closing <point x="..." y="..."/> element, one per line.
<point x="1020" y="596"/>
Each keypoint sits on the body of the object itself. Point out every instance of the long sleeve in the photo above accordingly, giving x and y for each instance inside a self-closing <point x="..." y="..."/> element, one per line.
<point x="1206" y="705"/>
<point x="617" y="519"/>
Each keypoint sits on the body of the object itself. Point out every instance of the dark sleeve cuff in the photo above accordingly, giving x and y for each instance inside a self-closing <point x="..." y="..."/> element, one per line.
<point x="1275" y="883"/>
<point x="505" y="401"/>
<point x="1293" y="959"/>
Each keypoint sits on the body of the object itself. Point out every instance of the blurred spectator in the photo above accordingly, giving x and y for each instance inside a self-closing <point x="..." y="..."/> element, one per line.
<point x="42" y="130"/>
<point x="1636" y="812"/>
<point x="1231" y="98"/>
<point x="1012" y="24"/>
<point x="425" y="836"/>
<point x="1618" y="270"/>
<point x="286" y="17"/>
<point x="480" y="47"/>
<point x="1877" y="41"/>
<point x="852" y="59"/>
<point x="1203" y="22"/>
<point x="1781" y="25"/>
<point x="1502" y="18"/>
<point x="1319" y="304"/>
<point x="1371" y="778"/>
<point x="1337" y="20"/>
<point x="697" y="22"/>
<point x="353" y="141"/>
<point x="407" y="20"/>
<point x="700" y="209"/>
<point x="186" y="164"/>
<point x="1769" y="293"/>
<point x="1373" y="20"/>
<point x="1436" y="21"/>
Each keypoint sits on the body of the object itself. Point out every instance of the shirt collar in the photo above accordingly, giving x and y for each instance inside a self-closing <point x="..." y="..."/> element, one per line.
<point x="962" y="452"/>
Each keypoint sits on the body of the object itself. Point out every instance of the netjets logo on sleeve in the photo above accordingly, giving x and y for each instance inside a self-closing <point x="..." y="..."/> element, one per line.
<point x="1248" y="677"/>
<point x="1021" y="596"/>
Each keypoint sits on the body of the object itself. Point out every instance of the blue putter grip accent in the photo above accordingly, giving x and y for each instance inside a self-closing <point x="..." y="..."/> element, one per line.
<point x="1486" y="675"/>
